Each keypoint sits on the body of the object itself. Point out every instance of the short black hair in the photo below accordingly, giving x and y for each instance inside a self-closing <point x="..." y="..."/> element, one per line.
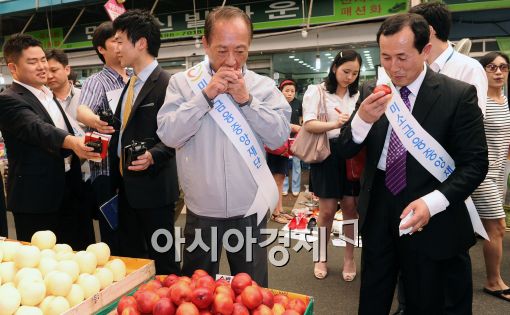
<point x="137" y="24"/>
<point x="14" y="46"/>
<point x="417" y="23"/>
<point x="341" y="58"/>
<point x="437" y="15"/>
<point x="58" y="55"/>
<point x="101" y="34"/>
<point x="488" y="58"/>
<point x="225" y="13"/>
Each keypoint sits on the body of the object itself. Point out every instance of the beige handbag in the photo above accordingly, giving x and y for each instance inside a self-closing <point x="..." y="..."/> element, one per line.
<point x="313" y="147"/>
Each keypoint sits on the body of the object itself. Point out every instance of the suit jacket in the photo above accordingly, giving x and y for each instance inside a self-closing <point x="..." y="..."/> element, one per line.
<point x="448" y="110"/>
<point x="37" y="176"/>
<point x="156" y="186"/>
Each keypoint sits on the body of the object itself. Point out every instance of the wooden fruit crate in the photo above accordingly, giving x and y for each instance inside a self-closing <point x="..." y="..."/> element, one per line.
<point x="137" y="271"/>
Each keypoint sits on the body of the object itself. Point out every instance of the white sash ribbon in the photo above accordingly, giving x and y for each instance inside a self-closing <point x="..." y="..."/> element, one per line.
<point x="230" y="120"/>
<point x="423" y="147"/>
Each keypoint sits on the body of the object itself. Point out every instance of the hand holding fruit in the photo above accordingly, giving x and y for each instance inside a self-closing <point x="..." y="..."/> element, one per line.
<point x="373" y="107"/>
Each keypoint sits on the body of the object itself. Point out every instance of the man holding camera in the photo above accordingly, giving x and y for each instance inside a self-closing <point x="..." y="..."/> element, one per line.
<point x="44" y="184"/>
<point x="142" y="168"/>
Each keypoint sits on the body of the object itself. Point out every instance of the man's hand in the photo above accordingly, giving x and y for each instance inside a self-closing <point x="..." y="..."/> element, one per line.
<point x="238" y="90"/>
<point x="142" y="163"/>
<point x="220" y="82"/>
<point x="373" y="107"/>
<point x="420" y="218"/>
<point x="77" y="144"/>
<point x="102" y="126"/>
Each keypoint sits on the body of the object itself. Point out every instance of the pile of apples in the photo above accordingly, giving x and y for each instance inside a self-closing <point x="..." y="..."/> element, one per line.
<point x="202" y="295"/>
<point x="46" y="278"/>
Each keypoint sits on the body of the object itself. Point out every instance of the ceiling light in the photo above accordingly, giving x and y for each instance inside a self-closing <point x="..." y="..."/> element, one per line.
<point x="327" y="54"/>
<point x="291" y="56"/>
<point x="317" y="61"/>
<point x="296" y="59"/>
<point x="366" y="51"/>
<point x="301" y="61"/>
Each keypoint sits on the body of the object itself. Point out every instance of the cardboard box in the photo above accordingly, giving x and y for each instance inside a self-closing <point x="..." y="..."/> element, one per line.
<point x="138" y="271"/>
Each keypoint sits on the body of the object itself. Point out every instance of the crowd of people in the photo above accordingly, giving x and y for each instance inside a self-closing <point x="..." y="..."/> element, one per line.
<point x="206" y="131"/>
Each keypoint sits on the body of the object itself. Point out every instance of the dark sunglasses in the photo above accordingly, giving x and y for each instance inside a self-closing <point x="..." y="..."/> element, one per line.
<point x="493" y="68"/>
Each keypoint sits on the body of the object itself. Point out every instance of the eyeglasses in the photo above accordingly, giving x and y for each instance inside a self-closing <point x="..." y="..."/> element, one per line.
<point x="493" y="68"/>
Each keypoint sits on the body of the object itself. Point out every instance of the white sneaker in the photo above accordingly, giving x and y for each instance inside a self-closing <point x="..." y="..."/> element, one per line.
<point x="295" y="194"/>
<point x="284" y="193"/>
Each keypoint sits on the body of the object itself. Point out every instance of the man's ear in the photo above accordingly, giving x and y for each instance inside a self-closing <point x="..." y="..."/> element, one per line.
<point x="67" y="69"/>
<point x="141" y="43"/>
<point x="12" y="67"/>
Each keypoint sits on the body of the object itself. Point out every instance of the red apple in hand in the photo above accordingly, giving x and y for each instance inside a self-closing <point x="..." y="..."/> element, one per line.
<point x="240" y="281"/>
<point x="251" y="297"/>
<point x="202" y="297"/>
<point x="384" y="88"/>
<point x="164" y="307"/>
<point x="124" y="302"/>
<point x="146" y="301"/>
<point x="187" y="308"/>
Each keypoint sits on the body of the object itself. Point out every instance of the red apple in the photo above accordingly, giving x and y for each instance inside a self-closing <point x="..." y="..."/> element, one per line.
<point x="223" y="304"/>
<point x="202" y="297"/>
<point x="169" y="280"/>
<point x="146" y="301"/>
<point x="222" y="282"/>
<point x="240" y="309"/>
<point x="164" y="307"/>
<point x="262" y="310"/>
<point x="384" y="88"/>
<point x="225" y="290"/>
<point x="187" y="308"/>
<point x="240" y="281"/>
<point x="297" y="305"/>
<point x="180" y="292"/>
<point x="130" y="310"/>
<point x="124" y="302"/>
<point x="163" y="292"/>
<point x="185" y="279"/>
<point x="198" y="274"/>
<point x="281" y="299"/>
<point x="239" y="299"/>
<point x="205" y="312"/>
<point x="278" y="309"/>
<point x="251" y="297"/>
<point x="267" y="297"/>
<point x="161" y="278"/>
<point x="206" y="282"/>
<point x="290" y="312"/>
<point x="154" y="285"/>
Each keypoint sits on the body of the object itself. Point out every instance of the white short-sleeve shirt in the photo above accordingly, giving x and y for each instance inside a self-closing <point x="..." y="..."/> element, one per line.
<point x="311" y="99"/>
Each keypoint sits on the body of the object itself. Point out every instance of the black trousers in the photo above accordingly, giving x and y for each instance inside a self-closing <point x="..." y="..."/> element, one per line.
<point x="102" y="191"/>
<point x="426" y="282"/>
<point x="3" y="212"/>
<point x="71" y="222"/>
<point x="136" y="229"/>
<point x="238" y="260"/>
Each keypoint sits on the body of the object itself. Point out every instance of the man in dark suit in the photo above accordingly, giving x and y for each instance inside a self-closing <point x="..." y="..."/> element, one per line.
<point x="148" y="186"/>
<point x="433" y="258"/>
<point x="44" y="185"/>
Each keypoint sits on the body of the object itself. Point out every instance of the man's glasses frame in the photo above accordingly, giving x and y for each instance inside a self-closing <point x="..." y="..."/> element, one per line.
<point x="493" y="68"/>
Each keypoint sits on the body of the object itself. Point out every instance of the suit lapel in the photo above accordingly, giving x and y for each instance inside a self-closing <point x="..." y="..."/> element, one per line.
<point x="33" y="101"/>
<point x="146" y="89"/>
<point x="427" y="96"/>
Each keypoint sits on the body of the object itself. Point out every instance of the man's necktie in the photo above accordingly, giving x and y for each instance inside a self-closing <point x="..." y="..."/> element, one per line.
<point x="127" y="111"/>
<point x="129" y="101"/>
<point x="396" y="157"/>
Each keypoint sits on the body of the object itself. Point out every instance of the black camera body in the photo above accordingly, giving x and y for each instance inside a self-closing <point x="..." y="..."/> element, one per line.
<point x="97" y="145"/>
<point x="133" y="151"/>
<point x="106" y="115"/>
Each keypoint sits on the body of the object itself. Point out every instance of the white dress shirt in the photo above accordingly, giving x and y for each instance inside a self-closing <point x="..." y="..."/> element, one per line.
<point x="436" y="201"/>
<point x="45" y="96"/>
<point x="463" y="68"/>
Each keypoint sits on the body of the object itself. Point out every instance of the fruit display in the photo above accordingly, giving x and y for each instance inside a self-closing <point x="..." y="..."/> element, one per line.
<point x="203" y="295"/>
<point x="47" y="278"/>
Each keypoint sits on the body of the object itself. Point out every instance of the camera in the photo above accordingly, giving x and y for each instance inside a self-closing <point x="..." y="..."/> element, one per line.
<point x="133" y="151"/>
<point x="106" y="115"/>
<point x="97" y="145"/>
